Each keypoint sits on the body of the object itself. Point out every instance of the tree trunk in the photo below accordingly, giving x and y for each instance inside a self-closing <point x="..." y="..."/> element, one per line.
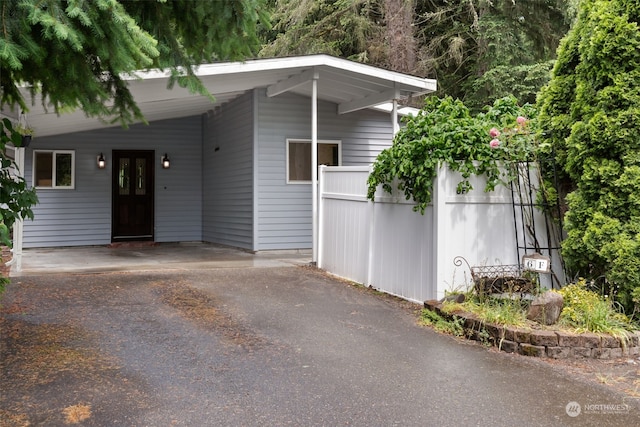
<point x="399" y="16"/>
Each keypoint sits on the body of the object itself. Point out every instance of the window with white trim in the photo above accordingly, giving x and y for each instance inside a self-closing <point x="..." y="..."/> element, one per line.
<point x="54" y="169"/>
<point x="299" y="158"/>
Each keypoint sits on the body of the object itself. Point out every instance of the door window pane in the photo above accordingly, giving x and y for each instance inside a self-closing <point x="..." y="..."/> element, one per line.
<point x="141" y="175"/>
<point x="123" y="177"/>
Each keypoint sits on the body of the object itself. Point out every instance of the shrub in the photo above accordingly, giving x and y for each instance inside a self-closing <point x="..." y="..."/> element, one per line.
<point x="587" y="311"/>
<point x="590" y="114"/>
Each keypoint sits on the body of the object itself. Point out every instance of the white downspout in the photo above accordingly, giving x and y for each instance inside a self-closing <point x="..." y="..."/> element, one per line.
<point x="314" y="167"/>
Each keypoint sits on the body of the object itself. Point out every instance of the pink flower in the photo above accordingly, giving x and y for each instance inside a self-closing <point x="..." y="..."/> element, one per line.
<point x="521" y="120"/>
<point x="494" y="133"/>
<point x="495" y="143"/>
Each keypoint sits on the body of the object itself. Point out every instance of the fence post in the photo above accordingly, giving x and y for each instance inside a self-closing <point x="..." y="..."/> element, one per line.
<point x="440" y="229"/>
<point x="321" y="218"/>
<point x="372" y="229"/>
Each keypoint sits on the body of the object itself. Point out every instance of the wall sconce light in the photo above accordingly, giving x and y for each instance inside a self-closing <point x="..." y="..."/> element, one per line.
<point x="165" y="161"/>
<point x="102" y="163"/>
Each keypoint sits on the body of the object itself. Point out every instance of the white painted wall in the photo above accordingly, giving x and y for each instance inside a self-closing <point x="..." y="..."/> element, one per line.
<point x="386" y="245"/>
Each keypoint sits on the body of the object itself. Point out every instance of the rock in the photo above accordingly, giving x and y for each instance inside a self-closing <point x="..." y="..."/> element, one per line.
<point x="459" y="298"/>
<point x="546" y="308"/>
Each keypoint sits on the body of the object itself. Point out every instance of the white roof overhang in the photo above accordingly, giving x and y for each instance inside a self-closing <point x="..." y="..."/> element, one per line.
<point x="350" y="85"/>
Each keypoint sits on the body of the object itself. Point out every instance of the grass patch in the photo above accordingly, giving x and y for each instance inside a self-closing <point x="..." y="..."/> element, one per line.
<point x="497" y="311"/>
<point x="440" y="324"/>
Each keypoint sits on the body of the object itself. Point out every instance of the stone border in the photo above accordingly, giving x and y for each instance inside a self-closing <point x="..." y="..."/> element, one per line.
<point x="542" y="342"/>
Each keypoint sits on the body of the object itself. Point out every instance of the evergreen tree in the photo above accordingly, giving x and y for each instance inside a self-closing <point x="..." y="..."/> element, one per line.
<point x="75" y="52"/>
<point x="478" y="50"/>
<point x="345" y="28"/>
<point x="482" y="50"/>
<point x="590" y="112"/>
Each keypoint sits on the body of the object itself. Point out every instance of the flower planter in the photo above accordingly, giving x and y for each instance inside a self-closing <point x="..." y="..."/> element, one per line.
<point x="26" y="140"/>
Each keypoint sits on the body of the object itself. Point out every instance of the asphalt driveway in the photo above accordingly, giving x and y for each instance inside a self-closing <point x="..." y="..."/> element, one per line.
<point x="260" y="346"/>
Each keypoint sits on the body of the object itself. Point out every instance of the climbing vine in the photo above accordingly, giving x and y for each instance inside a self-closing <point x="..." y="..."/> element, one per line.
<point x="445" y="132"/>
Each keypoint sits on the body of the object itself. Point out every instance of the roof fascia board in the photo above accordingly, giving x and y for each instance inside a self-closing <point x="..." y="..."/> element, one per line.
<point x="416" y="84"/>
<point x="292" y="82"/>
<point x="368" y="101"/>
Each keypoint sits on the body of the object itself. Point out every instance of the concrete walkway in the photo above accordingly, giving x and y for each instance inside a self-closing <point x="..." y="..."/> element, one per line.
<point x="141" y="257"/>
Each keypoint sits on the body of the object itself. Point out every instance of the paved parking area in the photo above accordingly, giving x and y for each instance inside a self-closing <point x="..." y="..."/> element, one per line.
<point x="260" y="346"/>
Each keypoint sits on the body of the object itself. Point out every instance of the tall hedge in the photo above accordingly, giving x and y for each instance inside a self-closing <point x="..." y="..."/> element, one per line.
<point x="590" y="112"/>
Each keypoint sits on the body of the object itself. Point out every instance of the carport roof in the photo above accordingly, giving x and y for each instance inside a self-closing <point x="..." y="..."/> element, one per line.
<point x="350" y="85"/>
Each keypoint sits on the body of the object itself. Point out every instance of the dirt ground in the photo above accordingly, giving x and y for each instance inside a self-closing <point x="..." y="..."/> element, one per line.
<point x="54" y="372"/>
<point x="622" y="374"/>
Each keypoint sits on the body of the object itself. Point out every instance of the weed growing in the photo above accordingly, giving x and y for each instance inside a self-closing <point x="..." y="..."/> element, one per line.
<point x="498" y="311"/>
<point x="440" y="324"/>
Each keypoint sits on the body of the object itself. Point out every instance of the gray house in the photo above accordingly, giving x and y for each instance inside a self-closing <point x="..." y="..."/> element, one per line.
<point x="237" y="171"/>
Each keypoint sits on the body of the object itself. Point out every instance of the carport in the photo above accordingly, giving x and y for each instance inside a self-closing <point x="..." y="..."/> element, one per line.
<point x="341" y="93"/>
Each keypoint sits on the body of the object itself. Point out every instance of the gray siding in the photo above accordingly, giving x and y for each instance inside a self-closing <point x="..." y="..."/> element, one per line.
<point x="228" y="175"/>
<point x="239" y="197"/>
<point x="82" y="216"/>
<point x="284" y="210"/>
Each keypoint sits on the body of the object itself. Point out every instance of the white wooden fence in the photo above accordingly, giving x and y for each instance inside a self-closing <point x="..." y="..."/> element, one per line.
<point x="386" y="245"/>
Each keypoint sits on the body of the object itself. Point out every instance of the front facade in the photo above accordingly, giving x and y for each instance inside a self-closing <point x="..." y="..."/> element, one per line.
<point x="88" y="211"/>
<point x="231" y="177"/>
<point x="237" y="171"/>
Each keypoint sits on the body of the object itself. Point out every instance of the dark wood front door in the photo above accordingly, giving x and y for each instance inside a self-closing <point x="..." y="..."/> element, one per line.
<point x="132" y="195"/>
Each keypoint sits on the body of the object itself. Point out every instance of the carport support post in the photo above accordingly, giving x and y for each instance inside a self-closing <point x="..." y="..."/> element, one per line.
<point x="18" y="225"/>
<point x="314" y="167"/>
<point x="394" y="117"/>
